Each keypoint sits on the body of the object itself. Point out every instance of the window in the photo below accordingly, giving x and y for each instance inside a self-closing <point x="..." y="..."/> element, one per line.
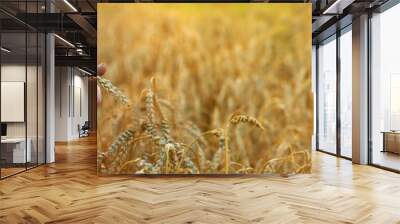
<point x="327" y="96"/>
<point x="385" y="89"/>
<point x="335" y="137"/>
<point x="346" y="93"/>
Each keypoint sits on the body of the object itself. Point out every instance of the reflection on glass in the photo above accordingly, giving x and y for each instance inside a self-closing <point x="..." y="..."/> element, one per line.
<point x="14" y="153"/>
<point x="327" y="96"/>
<point x="31" y="101"/>
<point x="41" y="98"/>
<point x="386" y="89"/>
<point x="22" y="92"/>
<point x="346" y="94"/>
<point x="394" y="102"/>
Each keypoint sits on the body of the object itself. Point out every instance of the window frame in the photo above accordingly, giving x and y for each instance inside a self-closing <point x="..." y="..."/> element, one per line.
<point x="334" y="37"/>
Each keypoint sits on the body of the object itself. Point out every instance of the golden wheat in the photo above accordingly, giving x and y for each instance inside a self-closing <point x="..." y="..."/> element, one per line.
<point x="207" y="67"/>
<point x="236" y="119"/>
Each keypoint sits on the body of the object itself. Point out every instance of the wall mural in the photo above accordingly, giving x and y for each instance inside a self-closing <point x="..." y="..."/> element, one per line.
<point x="205" y="88"/>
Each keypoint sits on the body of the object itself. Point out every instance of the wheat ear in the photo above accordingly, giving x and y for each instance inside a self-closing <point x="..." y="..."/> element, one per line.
<point x="233" y="121"/>
<point x="113" y="90"/>
<point x="164" y="126"/>
<point x="118" y="148"/>
<point x="122" y="139"/>
<point x="149" y="125"/>
<point x="236" y="119"/>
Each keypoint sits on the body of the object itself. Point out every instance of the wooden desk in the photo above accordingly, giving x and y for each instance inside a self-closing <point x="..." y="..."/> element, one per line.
<point x="13" y="150"/>
<point x="391" y="141"/>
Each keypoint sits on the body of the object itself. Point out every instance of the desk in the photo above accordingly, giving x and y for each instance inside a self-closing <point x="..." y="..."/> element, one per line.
<point x="391" y="141"/>
<point x="13" y="150"/>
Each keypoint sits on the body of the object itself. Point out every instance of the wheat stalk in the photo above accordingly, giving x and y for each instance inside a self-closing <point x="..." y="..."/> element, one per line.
<point x="118" y="149"/>
<point x="150" y="125"/>
<point x="233" y="121"/>
<point x="220" y="133"/>
<point x="113" y="90"/>
<point x="122" y="139"/>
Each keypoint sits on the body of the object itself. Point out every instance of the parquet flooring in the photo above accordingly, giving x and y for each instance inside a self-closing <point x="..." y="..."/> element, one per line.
<point x="10" y="171"/>
<point x="69" y="191"/>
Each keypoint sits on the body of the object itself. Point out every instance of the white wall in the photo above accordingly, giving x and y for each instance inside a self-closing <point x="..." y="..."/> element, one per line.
<point x="71" y="94"/>
<point x="16" y="73"/>
<point x="80" y="97"/>
<point x="61" y="103"/>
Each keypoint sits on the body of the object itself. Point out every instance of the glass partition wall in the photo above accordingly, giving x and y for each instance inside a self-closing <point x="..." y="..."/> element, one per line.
<point x="385" y="89"/>
<point x="334" y="105"/>
<point x="22" y="66"/>
<point x="13" y="89"/>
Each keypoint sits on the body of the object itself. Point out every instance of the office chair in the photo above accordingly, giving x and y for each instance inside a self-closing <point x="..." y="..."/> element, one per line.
<point x="84" y="130"/>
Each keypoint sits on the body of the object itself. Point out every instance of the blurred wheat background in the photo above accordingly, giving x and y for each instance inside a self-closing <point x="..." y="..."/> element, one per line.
<point x="231" y="91"/>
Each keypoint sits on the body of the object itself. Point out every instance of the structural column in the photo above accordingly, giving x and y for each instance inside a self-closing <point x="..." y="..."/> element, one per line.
<point x="360" y="90"/>
<point x="50" y="92"/>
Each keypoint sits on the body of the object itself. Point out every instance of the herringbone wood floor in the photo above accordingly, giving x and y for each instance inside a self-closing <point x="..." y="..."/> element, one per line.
<point x="69" y="191"/>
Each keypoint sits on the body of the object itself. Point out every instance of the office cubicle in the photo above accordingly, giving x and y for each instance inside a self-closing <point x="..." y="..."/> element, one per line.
<point x="22" y="77"/>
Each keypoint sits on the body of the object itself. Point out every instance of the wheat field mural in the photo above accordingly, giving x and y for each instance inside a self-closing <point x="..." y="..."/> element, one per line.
<point x="205" y="88"/>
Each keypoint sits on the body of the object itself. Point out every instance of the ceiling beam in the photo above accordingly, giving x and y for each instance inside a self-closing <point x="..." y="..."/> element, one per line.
<point x="77" y="61"/>
<point x="84" y="24"/>
<point x="337" y="7"/>
<point x="49" y="22"/>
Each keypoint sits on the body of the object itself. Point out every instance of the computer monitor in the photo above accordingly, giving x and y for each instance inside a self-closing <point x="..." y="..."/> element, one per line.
<point x="3" y="129"/>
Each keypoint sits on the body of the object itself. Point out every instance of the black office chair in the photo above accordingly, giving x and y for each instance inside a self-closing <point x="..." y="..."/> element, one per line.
<point x="84" y="130"/>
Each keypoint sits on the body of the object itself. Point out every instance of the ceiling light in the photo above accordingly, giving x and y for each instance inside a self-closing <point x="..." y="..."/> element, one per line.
<point x="65" y="41"/>
<point x="79" y="51"/>
<point x="70" y="5"/>
<point x="5" y="50"/>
